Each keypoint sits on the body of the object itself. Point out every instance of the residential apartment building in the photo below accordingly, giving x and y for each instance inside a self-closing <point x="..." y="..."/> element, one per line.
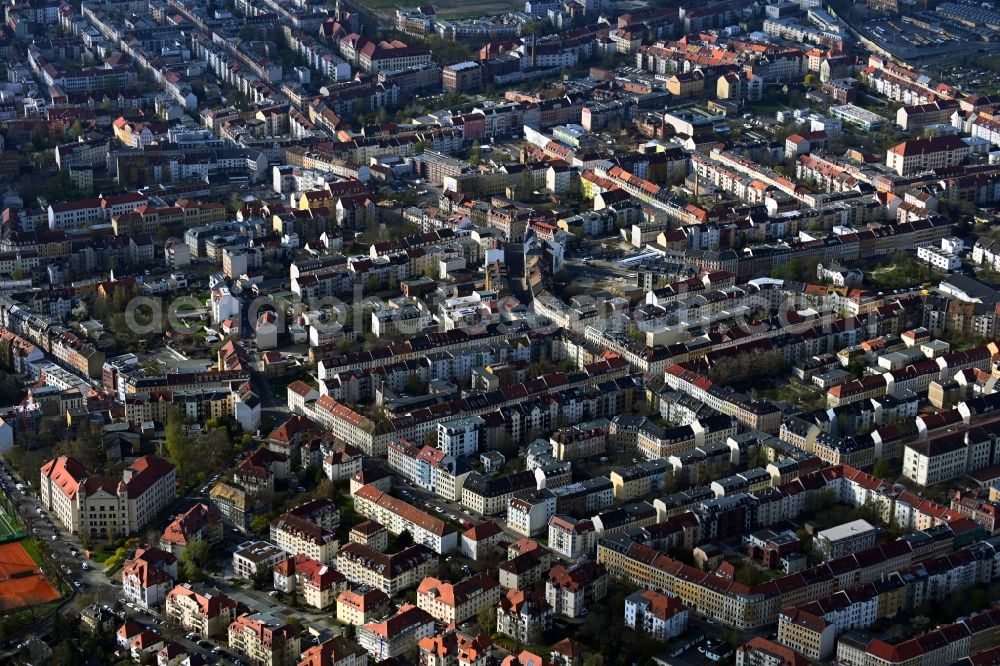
<point x="949" y="456"/>
<point x="570" y="537"/>
<point x="398" y="517"/>
<point x="752" y="413"/>
<point x="148" y="577"/>
<point x="389" y="573"/>
<point x="357" y="607"/>
<point x="264" y="640"/>
<point x="945" y="644"/>
<point x="487" y="495"/>
<point x="455" y="648"/>
<point x="315" y="583"/>
<point x="371" y="534"/>
<point x="460" y="437"/>
<point x="253" y="558"/>
<point x="579" y="442"/>
<point x="481" y="539"/>
<point x="429" y="468"/>
<point x="659" y="615"/>
<point x="570" y="591"/>
<point x="455" y="603"/>
<point x="738" y="605"/>
<point x="760" y="651"/>
<point x="208" y="615"/>
<point x="523" y="615"/>
<point x="809" y="634"/>
<point x="844" y="539"/>
<point x="528" y="563"/>
<point x="199" y="523"/>
<point x="299" y="536"/>
<point x="528" y="512"/>
<point x="640" y="480"/>
<point x="234" y="504"/>
<point x="983" y="511"/>
<point x="337" y="651"/>
<point x="396" y="635"/>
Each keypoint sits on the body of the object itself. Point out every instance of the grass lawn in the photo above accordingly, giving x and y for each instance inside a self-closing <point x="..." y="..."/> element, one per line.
<point x="101" y="552"/>
<point x="900" y="271"/>
<point x="991" y="63"/>
<point x="514" y="647"/>
<point x="784" y="393"/>
<point x="765" y="107"/>
<point x="806" y="397"/>
<point x="34" y="549"/>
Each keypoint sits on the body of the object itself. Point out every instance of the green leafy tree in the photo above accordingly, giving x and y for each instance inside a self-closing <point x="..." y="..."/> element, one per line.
<point x="413" y="384"/>
<point x="746" y="368"/>
<point x="180" y="449"/>
<point x="758" y="458"/>
<point x="259" y="524"/>
<point x="262" y="578"/>
<point x="403" y="540"/>
<point x="6" y="355"/>
<point x="796" y="268"/>
<point x="326" y="489"/>
<point x="486" y="618"/>
<point x="217" y="446"/>
<point x="882" y="469"/>
<point x="87" y="446"/>
<point x="116" y="559"/>
<point x="194" y="558"/>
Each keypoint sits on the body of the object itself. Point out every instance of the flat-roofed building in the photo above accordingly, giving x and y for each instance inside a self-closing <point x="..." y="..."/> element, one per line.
<point x="844" y="539"/>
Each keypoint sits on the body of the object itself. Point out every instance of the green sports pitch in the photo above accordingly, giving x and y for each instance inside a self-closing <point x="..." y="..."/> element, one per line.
<point x="10" y="526"/>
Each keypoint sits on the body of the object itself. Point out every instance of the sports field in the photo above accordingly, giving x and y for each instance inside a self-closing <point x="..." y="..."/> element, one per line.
<point x="9" y="525"/>
<point x="21" y="582"/>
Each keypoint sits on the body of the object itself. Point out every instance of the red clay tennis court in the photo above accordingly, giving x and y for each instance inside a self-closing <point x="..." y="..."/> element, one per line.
<point x="21" y="582"/>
